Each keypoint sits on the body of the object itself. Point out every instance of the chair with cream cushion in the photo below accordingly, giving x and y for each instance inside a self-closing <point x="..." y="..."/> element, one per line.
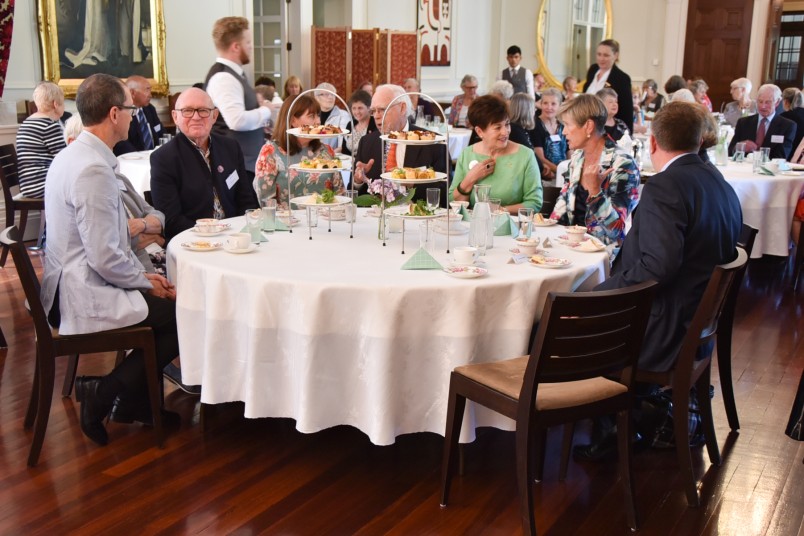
<point x="581" y="365"/>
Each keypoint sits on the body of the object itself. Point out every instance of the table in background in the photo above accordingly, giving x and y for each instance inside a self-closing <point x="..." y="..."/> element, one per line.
<point x="137" y="168"/>
<point x="331" y="331"/>
<point x="458" y="141"/>
<point x="768" y="203"/>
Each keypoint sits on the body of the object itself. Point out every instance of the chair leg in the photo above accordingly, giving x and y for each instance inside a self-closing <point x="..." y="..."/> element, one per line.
<point x="707" y="419"/>
<point x="153" y="377"/>
<point x="3" y="343"/>
<point x="33" y="401"/>
<point x="724" y="371"/>
<point x="626" y="453"/>
<point x="455" y="409"/>
<point x="566" y="448"/>
<point x="47" y="379"/>
<point x="9" y="223"/>
<point x="23" y="222"/>
<point x="681" y="412"/>
<point x="539" y="442"/>
<point x="69" y="375"/>
<point x="525" y="474"/>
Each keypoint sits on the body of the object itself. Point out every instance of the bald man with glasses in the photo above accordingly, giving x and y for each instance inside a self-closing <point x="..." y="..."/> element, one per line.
<point x="198" y="174"/>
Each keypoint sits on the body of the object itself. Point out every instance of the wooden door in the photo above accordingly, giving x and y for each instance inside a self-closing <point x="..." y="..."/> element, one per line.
<point x="716" y="46"/>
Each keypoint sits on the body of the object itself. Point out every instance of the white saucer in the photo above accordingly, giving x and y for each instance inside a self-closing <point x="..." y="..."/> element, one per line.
<point x="465" y="272"/>
<point x="249" y="249"/>
<point x="200" y="233"/>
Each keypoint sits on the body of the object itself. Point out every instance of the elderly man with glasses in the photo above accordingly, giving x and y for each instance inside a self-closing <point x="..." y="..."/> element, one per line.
<point x="198" y="174"/>
<point x="373" y="157"/>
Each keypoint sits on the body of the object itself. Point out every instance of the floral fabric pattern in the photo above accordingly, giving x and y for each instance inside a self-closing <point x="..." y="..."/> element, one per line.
<point x="606" y="212"/>
<point x="272" y="174"/>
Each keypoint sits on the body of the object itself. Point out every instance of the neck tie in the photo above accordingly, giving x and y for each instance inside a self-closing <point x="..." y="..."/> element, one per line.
<point x="763" y="125"/>
<point x="390" y="159"/>
<point x="145" y="131"/>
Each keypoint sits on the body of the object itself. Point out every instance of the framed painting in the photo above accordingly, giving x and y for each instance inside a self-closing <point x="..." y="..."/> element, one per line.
<point x="118" y="37"/>
<point x="434" y="30"/>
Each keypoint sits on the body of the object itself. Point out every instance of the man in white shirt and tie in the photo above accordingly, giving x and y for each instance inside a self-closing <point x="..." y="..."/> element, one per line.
<point x="241" y="116"/>
<point x="520" y="77"/>
<point x="146" y="128"/>
<point x="766" y="128"/>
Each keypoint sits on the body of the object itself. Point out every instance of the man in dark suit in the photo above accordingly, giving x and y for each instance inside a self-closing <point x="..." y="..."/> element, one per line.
<point x="687" y="222"/>
<point x="766" y="128"/>
<point x="145" y="129"/>
<point x="370" y="161"/>
<point x="198" y="174"/>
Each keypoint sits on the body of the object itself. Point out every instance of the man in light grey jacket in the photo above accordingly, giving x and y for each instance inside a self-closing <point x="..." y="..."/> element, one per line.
<point x="92" y="280"/>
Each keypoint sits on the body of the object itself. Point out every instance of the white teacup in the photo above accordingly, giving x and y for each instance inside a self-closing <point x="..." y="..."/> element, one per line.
<point x="575" y="234"/>
<point x="238" y="241"/>
<point x="207" y="225"/>
<point x="465" y="254"/>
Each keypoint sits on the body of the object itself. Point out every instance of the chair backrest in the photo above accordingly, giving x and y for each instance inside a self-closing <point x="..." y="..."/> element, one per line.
<point x="8" y="173"/>
<point x="30" y="283"/>
<point x="549" y="196"/>
<point x="588" y="334"/>
<point x="705" y="320"/>
<point x="745" y="241"/>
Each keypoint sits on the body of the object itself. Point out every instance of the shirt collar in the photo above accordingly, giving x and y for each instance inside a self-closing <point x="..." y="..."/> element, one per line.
<point x="673" y="160"/>
<point x="236" y="67"/>
<point x="769" y="118"/>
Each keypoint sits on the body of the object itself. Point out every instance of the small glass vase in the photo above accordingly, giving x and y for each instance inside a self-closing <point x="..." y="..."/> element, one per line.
<point x="721" y="155"/>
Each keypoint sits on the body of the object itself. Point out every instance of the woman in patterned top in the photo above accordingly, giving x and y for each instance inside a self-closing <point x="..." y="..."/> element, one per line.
<point x="603" y="183"/>
<point x="39" y="138"/>
<point x="273" y="165"/>
<point x="459" y="109"/>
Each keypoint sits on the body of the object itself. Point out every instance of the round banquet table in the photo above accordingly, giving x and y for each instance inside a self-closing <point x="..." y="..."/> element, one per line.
<point x="332" y="331"/>
<point x="458" y="141"/>
<point x="137" y="168"/>
<point x="768" y="203"/>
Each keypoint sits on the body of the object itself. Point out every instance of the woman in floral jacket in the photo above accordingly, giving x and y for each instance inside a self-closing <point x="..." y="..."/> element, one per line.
<point x="271" y="173"/>
<point x="603" y="181"/>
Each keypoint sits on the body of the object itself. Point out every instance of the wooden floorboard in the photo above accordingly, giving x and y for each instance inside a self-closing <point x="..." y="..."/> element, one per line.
<point x="263" y="477"/>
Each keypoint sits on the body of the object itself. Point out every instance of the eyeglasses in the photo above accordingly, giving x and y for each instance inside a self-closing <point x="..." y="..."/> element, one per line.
<point x="380" y="111"/>
<point x="469" y="87"/>
<point x="131" y="109"/>
<point x="187" y="113"/>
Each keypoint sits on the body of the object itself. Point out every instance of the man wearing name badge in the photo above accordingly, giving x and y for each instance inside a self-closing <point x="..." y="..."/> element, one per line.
<point x="198" y="174"/>
<point x="518" y="76"/>
<point x="766" y="128"/>
<point x="369" y="157"/>
<point x="687" y="222"/>
<point x="145" y="129"/>
<point x="241" y="116"/>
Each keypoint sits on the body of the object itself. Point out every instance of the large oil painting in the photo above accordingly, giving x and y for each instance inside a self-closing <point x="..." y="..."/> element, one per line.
<point x="118" y="37"/>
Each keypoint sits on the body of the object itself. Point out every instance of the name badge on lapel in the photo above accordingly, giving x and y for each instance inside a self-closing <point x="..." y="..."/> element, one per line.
<point x="555" y="137"/>
<point x="232" y="179"/>
<point x="158" y="128"/>
<point x="778" y="138"/>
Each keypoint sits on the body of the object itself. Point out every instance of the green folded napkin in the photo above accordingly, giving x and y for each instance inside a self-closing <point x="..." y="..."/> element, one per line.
<point x="765" y="171"/>
<point x="280" y="226"/>
<point x="262" y="236"/>
<point x="505" y="226"/>
<point x="465" y="213"/>
<point x="422" y="260"/>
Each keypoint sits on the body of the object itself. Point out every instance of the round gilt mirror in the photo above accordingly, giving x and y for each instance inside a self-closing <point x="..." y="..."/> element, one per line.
<point x="567" y="34"/>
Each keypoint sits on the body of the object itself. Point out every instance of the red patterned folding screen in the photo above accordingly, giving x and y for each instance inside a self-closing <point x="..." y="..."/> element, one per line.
<point x="380" y="56"/>
<point x="364" y="57"/>
<point x="6" y="25"/>
<point x="330" y="58"/>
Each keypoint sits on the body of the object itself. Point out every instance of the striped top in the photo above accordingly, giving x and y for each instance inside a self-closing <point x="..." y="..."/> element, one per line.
<point x="38" y="141"/>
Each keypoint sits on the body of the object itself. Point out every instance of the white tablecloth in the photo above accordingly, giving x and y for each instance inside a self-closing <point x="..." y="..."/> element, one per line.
<point x="137" y="168"/>
<point x="768" y="203"/>
<point x="330" y="331"/>
<point x="458" y="141"/>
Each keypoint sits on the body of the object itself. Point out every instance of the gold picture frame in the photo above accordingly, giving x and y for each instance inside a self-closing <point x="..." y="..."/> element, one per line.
<point x="83" y="37"/>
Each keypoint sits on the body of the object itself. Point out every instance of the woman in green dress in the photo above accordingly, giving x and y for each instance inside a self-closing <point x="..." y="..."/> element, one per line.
<point x="509" y="168"/>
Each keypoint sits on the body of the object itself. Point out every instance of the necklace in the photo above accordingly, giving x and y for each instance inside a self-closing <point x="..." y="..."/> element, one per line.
<point x="551" y="126"/>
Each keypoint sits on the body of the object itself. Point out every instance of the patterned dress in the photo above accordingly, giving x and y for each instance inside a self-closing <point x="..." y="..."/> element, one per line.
<point x="271" y="171"/>
<point x="607" y="211"/>
<point x="38" y="141"/>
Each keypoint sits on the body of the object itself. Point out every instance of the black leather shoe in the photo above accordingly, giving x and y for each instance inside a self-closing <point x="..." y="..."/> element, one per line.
<point x="143" y="416"/>
<point x="604" y="450"/>
<point x="93" y="411"/>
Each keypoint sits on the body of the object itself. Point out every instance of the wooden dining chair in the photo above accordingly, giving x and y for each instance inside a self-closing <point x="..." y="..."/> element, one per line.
<point x="583" y="339"/>
<point x="799" y="260"/>
<point x="549" y="196"/>
<point x="50" y="344"/>
<point x="726" y="326"/>
<point x="690" y="369"/>
<point x="15" y="201"/>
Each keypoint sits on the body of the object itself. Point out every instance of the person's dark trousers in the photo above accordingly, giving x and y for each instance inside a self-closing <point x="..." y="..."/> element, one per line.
<point x="128" y="380"/>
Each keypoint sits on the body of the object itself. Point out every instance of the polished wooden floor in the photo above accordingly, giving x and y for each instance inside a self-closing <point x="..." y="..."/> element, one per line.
<point x="262" y="477"/>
